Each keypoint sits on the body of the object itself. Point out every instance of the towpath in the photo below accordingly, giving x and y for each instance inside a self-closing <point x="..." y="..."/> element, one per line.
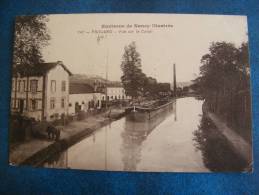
<point x="75" y="130"/>
<point x="240" y="145"/>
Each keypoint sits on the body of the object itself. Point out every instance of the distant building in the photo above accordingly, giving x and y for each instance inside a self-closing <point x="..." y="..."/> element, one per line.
<point x="83" y="97"/>
<point x="116" y="92"/>
<point x="164" y="89"/>
<point x="42" y="92"/>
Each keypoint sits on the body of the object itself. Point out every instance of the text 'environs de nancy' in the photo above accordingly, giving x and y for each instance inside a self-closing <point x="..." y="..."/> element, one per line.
<point x="136" y="26"/>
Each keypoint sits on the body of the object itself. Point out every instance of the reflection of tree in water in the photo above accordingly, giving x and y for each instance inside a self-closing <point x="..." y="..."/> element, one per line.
<point x="217" y="152"/>
<point x="133" y="136"/>
<point x="58" y="160"/>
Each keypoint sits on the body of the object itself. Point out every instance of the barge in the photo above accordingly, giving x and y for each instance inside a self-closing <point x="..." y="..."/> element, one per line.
<point x="142" y="113"/>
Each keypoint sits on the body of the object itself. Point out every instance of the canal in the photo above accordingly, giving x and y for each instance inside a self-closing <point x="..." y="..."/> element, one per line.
<point x="178" y="140"/>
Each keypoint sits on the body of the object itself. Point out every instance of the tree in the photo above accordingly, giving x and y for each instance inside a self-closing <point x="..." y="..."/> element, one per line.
<point x="151" y="86"/>
<point x="218" y="71"/>
<point x="132" y="78"/>
<point x="31" y="36"/>
<point x="224" y="82"/>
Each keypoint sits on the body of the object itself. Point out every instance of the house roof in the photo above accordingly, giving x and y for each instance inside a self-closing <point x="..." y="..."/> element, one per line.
<point x="115" y="85"/>
<point x="80" y="88"/>
<point x="41" y="69"/>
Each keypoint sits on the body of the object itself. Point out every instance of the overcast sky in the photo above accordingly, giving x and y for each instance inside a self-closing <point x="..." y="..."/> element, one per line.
<point x="73" y="42"/>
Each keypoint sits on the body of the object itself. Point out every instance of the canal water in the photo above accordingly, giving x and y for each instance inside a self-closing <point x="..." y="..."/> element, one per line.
<point x="174" y="141"/>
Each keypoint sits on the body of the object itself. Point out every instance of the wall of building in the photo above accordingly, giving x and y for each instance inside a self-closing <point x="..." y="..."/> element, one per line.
<point x="83" y="100"/>
<point x="21" y="95"/>
<point x="57" y="74"/>
<point x="116" y="93"/>
<point x="80" y="99"/>
<point x="98" y="97"/>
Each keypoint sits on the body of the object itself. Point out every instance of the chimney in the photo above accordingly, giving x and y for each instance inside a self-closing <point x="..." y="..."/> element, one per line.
<point x="175" y="85"/>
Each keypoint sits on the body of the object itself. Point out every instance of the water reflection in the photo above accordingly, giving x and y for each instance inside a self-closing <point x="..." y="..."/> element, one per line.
<point x="179" y="140"/>
<point x="217" y="153"/>
<point x="60" y="160"/>
<point x="135" y="133"/>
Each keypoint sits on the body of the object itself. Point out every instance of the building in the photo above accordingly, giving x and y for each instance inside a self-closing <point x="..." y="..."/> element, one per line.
<point x="83" y="97"/>
<point x="116" y="92"/>
<point x="42" y="92"/>
<point x="164" y="89"/>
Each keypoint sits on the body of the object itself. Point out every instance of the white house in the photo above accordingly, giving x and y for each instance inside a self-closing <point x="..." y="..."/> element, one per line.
<point x="116" y="92"/>
<point x="41" y="93"/>
<point x="83" y="97"/>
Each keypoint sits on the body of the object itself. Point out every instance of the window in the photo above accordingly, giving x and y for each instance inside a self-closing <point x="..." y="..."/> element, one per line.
<point x="24" y="85"/>
<point x="62" y="102"/>
<point x="52" y="103"/>
<point x="15" y="104"/>
<point x="53" y="86"/>
<point x="69" y="104"/>
<point x="63" y="86"/>
<point x="19" y="86"/>
<point x="56" y="115"/>
<point x="33" y="104"/>
<point x="20" y="104"/>
<point x="33" y="86"/>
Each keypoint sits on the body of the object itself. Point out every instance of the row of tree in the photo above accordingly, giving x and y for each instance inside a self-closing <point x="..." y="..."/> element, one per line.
<point x="135" y="82"/>
<point x="224" y="82"/>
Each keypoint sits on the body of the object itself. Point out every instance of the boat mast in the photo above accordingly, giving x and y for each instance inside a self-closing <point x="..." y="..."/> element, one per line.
<point x="175" y="88"/>
<point x="106" y="78"/>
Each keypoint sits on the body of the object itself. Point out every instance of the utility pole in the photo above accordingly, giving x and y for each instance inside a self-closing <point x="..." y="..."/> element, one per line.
<point x="175" y="88"/>
<point x="99" y="39"/>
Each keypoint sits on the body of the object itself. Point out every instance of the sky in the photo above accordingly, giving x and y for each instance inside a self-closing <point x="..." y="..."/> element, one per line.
<point x="74" y="40"/>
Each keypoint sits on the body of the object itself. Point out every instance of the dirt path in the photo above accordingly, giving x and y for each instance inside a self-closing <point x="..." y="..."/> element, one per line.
<point x="70" y="133"/>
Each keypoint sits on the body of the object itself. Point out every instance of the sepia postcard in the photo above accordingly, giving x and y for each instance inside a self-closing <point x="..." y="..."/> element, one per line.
<point x="131" y="92"/>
